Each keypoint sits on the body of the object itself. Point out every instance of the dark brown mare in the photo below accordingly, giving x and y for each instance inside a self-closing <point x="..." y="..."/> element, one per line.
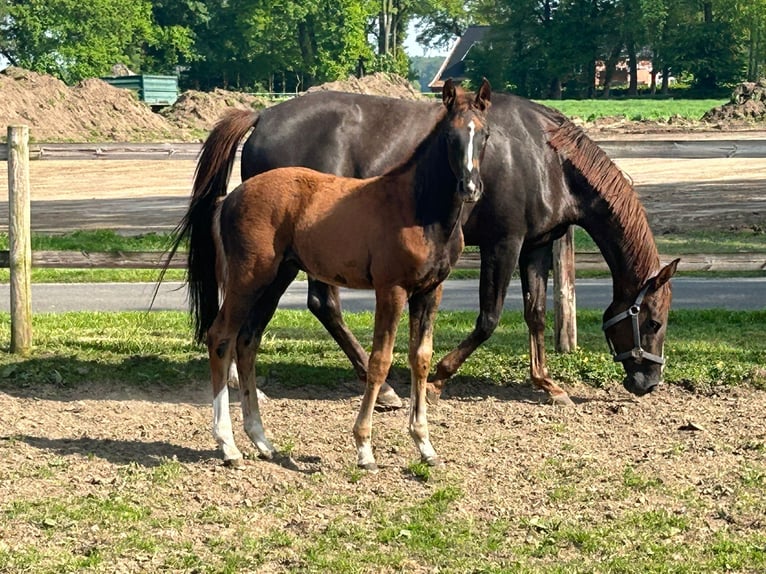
<point x="398" y="234"/>
<point x="541" y="174"/>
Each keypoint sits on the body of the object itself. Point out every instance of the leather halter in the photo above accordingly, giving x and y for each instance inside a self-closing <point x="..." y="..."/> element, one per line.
<point x="637" y="352"/>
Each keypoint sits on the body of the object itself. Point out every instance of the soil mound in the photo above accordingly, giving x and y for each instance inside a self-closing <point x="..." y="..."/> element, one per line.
<point x="199" y="111"/>
<point x="89" y="111"/>
<point x="747" y="103"/>
<point x="378" y="84"/>
<point x="94" y="111"/>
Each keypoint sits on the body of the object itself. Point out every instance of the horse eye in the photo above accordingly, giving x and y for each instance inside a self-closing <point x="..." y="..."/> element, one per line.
<point x="654" y="325"/>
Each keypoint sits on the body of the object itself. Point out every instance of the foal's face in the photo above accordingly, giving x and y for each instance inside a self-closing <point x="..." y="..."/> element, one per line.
<point x="467" y="136"/>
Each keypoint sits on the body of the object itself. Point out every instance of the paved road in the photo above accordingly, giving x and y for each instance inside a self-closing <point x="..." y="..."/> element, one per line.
<point x="688" y="293"/>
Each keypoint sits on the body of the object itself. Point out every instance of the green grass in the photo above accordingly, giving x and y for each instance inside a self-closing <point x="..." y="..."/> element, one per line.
<point x="156" y="347"/>
<point x="634" y="109"/>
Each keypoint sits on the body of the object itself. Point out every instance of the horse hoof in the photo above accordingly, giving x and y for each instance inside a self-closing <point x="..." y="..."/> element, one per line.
<point x="237" y="463"/>
<point x="369" y="467"/>
<point x="388" y="400"/>
<point x="434" y="462"/>
<point x="433" y="394"/>
<point x="561" y="400"/>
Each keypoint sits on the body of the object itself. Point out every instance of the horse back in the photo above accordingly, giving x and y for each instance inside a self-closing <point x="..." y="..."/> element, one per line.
<point x="352" y="135"/>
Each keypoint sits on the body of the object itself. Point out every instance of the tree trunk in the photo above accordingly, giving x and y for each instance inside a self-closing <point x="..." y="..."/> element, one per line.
<point x="632" y="70"/>
<point x="665" y="80"/>
<point x="555" y="89"/>
<point x="609" y="67"/>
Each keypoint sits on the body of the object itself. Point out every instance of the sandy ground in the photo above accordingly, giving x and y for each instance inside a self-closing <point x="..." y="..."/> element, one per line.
<point x="142" y="196"/>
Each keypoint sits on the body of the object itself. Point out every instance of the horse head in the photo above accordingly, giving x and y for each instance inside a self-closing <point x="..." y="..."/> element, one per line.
<point x="635" y="331"/>
<point x="467" y="136"/>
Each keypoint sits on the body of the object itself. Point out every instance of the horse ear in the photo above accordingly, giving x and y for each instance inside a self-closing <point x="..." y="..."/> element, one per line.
<point x="482" y="96"/>
<point x="449" y="94"/>
<point x="664" y="275"/>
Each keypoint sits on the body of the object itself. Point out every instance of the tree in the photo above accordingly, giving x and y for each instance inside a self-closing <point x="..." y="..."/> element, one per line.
<point x="707" y="44"/>
<point x="73" y="40"/>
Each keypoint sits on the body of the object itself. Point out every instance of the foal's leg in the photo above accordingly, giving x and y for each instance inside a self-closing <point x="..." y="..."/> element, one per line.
<point x="497" y="263"/>
<point x="248" y="343"/>
<point x="247" y="347"/>
<point x="324" y="303"/>
<point x="535" y="265"/>
<point x="423" y="309"/>
<point x="388" y="308"/>
<point x="220" y="343"/>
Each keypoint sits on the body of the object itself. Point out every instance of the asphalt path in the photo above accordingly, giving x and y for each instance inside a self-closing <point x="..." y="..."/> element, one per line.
<point x="688" y="293"/>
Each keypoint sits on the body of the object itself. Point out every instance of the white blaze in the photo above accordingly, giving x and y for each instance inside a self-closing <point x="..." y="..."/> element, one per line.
<point x="469" y="151"/>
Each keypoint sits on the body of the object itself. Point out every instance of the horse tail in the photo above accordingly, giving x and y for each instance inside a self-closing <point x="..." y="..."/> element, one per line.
<point x="211" y="179"/>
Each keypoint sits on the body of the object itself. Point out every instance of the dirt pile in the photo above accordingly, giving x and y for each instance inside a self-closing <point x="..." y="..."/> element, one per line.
<point x="96" y="111"/>
<point x="747" y="103"/>
<point x="89" y="111"/>
<point x="194" y="110"/>
<point x="378" y="84"/>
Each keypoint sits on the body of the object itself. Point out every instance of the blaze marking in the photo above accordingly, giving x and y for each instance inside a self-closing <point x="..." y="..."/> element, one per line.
<point x="469" y="154"/>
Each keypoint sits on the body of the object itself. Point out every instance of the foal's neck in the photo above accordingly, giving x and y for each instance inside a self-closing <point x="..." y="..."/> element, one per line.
<point x="434" y="185"/>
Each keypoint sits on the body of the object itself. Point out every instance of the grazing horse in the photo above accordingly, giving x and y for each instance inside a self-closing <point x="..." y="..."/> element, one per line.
<point x="399" y="234"/>
<point x="541" y="174"/>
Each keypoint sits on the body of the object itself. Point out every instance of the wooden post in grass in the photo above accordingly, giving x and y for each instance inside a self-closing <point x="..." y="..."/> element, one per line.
<point x="565" y="310"/>
<point x="19" y="239"/>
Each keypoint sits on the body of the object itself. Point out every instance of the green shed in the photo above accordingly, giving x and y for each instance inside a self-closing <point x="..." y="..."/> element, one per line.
<point x="154" y="90"/>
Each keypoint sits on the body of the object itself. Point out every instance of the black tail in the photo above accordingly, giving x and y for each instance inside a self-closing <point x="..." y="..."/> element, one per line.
<point x="211" y="180"/>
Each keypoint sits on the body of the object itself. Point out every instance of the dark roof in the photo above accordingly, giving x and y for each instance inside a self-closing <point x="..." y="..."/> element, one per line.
<point x="454" y="64"/>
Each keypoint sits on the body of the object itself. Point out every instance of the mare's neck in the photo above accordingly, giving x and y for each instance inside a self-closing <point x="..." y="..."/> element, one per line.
<point x="629" y="251"/>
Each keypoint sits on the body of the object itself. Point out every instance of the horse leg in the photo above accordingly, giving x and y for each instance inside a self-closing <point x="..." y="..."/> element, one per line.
<point x="388" y="308"/>
<point x="248" y="344"/>
<point x="220" y="351"/>
<point x="324" y="303"/>
<point x="269" y="299"/>
<point x="247" y="347"/>
<point x="535" y="266"/>
<point x="423" y="307"/>
<point x="497" y="263"/>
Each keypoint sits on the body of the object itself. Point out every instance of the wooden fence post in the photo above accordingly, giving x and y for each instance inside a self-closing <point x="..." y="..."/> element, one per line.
<point x="19" y="239"/>
<point x="565" y="309"/>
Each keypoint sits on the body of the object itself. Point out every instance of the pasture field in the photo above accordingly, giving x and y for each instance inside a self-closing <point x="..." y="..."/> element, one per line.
<point x="635" y="109"/>
<point x="109" y="465"/>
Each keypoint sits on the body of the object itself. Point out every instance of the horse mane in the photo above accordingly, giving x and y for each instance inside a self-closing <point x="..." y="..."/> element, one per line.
<point x="611" y="184"/>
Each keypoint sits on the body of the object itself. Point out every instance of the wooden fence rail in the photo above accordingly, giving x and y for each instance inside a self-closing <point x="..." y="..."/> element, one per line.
<point x="616" y="149"/>
<point x="584" y="260"/>
<point x="19" y="258"/>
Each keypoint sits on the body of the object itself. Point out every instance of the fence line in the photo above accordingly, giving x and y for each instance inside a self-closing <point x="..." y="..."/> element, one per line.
<point x="616" y="149"/>
<point x="20" y="258"/>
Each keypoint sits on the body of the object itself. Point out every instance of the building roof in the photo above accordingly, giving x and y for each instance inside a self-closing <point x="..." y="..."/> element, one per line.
<point x="454" y="64"/>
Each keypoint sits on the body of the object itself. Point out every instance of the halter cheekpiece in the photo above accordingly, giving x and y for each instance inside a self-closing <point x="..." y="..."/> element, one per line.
<point x="637" y="352"/>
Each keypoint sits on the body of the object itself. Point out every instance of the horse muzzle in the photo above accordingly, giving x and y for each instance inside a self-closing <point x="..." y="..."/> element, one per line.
<point x="470" y="189"/>
<point x="640" y="384"/>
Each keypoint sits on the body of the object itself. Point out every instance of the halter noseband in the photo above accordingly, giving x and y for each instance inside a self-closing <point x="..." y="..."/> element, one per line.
<point x="637" y="352"/>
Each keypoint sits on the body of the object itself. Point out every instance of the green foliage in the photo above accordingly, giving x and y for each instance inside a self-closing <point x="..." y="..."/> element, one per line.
<point x="76" y="40"/>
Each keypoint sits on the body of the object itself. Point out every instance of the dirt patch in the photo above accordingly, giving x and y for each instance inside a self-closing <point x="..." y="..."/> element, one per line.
<point x="516" y="460"/>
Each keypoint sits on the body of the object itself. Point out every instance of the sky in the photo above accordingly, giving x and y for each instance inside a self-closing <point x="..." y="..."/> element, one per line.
<point x="414" y="49"/>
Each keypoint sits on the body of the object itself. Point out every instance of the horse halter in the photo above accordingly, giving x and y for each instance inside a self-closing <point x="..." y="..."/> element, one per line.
<point x="637" y="352"/>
